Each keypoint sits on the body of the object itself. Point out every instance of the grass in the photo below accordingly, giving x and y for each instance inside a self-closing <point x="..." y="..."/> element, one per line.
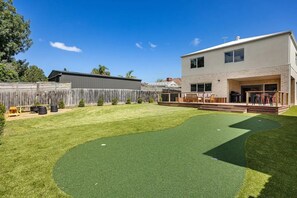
<point x="184" y="161"/>
<point x="272" y="156"/>
<point x="30" y="148"/>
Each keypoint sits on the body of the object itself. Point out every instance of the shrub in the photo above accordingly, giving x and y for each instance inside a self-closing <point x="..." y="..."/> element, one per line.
<point x="139" y="100"/>
<point x="151" y="100"/>
<point x="128" y="101"/>
<point x="2" y="108"/>
<point x="100" y="102"/>
<point x="2" y="123"/>
<point x="2" y="118"/>
<point x="114" y="101"/>
<point x="81" y="103"/>
<point x="61" y="104"/>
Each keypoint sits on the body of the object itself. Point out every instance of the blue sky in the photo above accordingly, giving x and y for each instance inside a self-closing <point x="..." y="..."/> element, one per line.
<point x="145" y="36"/>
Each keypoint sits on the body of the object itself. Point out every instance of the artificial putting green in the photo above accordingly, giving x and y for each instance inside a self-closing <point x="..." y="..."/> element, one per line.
<point x="203" y="157"/>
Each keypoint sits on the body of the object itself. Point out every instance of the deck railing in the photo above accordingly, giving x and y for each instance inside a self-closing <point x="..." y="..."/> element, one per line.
<point x="200" y="97"/>
<point x="272" y="98"/>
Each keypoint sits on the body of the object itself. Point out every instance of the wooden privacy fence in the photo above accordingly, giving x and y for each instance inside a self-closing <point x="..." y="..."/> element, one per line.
<point x="71" y="97"/>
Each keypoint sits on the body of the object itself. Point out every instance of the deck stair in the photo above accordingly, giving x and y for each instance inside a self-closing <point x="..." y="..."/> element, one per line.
<point x="226" y="108"/>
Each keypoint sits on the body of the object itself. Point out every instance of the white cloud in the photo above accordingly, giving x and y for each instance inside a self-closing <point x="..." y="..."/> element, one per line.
<point x="152" y="45"/>
<point x="62" y="46"/>
<point x="139" y="45"/>
<point x="195" y="42"/>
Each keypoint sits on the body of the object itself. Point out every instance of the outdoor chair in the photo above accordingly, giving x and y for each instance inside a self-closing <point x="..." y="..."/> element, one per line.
<point x="209" y="97"/>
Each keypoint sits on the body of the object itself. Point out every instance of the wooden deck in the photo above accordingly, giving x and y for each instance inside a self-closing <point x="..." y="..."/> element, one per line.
<point x="230" y="107"/>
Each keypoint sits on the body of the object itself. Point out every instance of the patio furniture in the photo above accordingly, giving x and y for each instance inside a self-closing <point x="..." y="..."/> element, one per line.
<point x="192" y="98"/>
<point x="209" y="97"/>
<point x="13" y="111"/>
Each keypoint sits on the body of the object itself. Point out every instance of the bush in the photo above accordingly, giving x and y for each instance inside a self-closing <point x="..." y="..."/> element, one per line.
<point x="2" y="118"/>
<point x="114" y="101"/>
<point x="100" y="102"/>
<point x="128" y="101"/>
<point x="151" y="100"/>
<point x="2" y="123"/>
<point x="139" y="100"/>
<point x="81" y="103"/>
<point x="61" y="104"/>
<point x="2" y="108"/>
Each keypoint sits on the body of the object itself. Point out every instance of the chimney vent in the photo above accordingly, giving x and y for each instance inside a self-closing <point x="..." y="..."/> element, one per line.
<point x="168" y="79"/>
<point x="237" y="38"/>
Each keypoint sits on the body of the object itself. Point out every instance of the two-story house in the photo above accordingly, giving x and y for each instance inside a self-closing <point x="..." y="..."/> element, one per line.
<point x="261" y="63"/>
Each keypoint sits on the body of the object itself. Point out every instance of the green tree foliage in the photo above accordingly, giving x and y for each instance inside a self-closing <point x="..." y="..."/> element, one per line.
<point x="20" y="66"/>
<point x="129" y="74"/>
<point x="14" y="31"/>
<point x="34" y="74"/>
<point x="101" y="70"/>
<point x="8" y="73"/>
<point x="159" y="80"/>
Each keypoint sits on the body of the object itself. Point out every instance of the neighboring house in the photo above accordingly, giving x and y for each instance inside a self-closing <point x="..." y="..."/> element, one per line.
<point x="94" y="81"/>
<point x="261" y="63"/>
<point x="172" y="84"/>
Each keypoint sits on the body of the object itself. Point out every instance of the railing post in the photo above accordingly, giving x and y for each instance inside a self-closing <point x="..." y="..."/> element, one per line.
<point x="247" y="97"/>
<point x="282" y="102"/>
<point x="203" y="97"/>
<point x="277" y="98"/>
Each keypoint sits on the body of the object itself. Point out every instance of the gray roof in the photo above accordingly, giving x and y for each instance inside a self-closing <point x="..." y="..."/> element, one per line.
<point x="56" y="73"/>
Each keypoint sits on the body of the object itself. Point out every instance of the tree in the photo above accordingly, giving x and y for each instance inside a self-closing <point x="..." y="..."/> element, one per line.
<point x="102" y="70"/>
<point x="14" y="31"/>
<point x="159" y="80"/>
<point x="20" y="66"/>
<point x="8" y="73"/>
<point x="129" y="74"/>
<point x="34" y="74"/>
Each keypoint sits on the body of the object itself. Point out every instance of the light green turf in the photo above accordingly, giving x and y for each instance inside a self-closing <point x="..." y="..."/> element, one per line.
<point x="203" y="157"/>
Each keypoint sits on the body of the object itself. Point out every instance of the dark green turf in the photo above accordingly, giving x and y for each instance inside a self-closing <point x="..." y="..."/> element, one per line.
<point x="204" y="157"/>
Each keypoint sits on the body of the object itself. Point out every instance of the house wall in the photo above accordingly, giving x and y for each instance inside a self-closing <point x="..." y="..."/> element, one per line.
<point x="293" y="52"/>
<point x="99" y="83"/>
<point x="258" y="54"/>
<point x="264" y="57"/>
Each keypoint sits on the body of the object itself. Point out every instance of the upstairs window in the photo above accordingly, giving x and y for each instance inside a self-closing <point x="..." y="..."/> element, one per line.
<point x="238" y="55"/>
<point x="234" y="56"/>
<point x="197" y="62"/>
<point x="229" y="57"/>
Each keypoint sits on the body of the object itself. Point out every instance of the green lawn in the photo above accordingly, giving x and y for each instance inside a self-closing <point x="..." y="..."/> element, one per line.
<point x="31" y="148"/>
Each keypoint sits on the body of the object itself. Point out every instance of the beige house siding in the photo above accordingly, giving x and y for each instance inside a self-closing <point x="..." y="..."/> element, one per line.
<point x="266" y="61"/>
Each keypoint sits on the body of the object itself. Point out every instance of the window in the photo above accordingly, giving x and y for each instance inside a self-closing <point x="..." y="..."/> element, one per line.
<point x="207" y="86"/>
<point x="296" y="58"/>
<point x="197" y="62"/>
<point x="228" y="57"/>
<point x="239" y="55"/>
<point x="200" y="62"/>
<point x="234" y="56"/>
<point x="193" y="63"/>
<point x="201" y="87"/>
<point x="193" y="87"/>
<point x="270" y="87"/>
